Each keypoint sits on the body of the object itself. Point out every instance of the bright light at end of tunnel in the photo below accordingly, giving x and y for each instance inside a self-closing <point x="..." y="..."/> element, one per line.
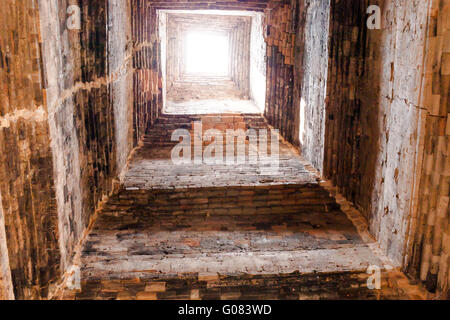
<point x="207" y="53"/>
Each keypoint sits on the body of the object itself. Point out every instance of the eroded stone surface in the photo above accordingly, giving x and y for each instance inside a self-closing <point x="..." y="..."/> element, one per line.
<point x="167" y="228"/>
<point x="128" y="246"/>
<point x="153" y="168"/>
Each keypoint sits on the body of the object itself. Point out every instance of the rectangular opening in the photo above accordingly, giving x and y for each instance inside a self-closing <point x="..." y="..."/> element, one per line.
<point x="212" y="61"/>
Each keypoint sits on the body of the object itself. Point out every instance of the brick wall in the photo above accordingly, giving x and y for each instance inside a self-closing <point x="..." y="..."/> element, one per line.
<point x="280" y="39"/>
<point x="80" y="117"/>
<point x="347" y="60"/>
<point x="258" y="62"/>
<point x="311" y="68"/>
<point x="386" y="128"/>
<point x="147" y="77"/>
<point x="26" y="180"/>
<point x="66" y="122"/>
<point x="297" y="54"/>
<point x="240" y="56"/>
<point x="89" y="97"/>
<point x="67" y="125"/>
<point x="429" y="246"/>
<point x="294" y="286"/>
<point x="377" y="130"/>
<point x="147" y="64"/>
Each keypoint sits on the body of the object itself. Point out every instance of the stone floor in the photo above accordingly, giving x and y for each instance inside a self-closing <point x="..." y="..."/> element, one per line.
<point x="225" y="232"/>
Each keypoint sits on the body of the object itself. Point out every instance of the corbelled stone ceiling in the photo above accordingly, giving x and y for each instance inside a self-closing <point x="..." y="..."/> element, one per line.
<point x="234" y="85"/>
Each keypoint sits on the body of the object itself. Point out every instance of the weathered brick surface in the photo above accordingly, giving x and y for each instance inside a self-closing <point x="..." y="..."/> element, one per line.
<point x="256" y="5"/>
<point x="280" y="39"/>
<point x="120" y="72"/>
<point x="373" y="112"/>
<point x="236" y="28"/>
<point x="192" y="257"/>
<point x="26" y="167"/>
<point x="428" y="258"/>
<point x="264" y="240"/>
<point x="343" y="160"/>
<point x="297" y="53"/>
<point x="311" y="71"/>
<point x="65" y="113"/>
<point x="147" y="76"/>
<point x="151" y="245"/>
<point x="29" y="207"/>
<point x="6" y="285"/>
<point x="147" y="60"/>
<point x="152" y="168"/>
<point x="198" y="88"/>
<point x="294" y="286"/>
<point x="81" y="115"/>
<point x="258" y="62"/>
<point x="377" y="125"/>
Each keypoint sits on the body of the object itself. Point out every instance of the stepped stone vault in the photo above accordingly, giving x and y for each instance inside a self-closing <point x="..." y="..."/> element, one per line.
<point x="311" y="138"/>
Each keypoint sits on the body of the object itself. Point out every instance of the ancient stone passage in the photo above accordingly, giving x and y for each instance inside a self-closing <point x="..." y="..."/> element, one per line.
<point x="232" y="149"/>
<point x="222" y="232"/>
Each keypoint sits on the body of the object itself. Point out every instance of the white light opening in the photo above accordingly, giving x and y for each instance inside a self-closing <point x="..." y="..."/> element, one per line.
<point x="207" y="53"/>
